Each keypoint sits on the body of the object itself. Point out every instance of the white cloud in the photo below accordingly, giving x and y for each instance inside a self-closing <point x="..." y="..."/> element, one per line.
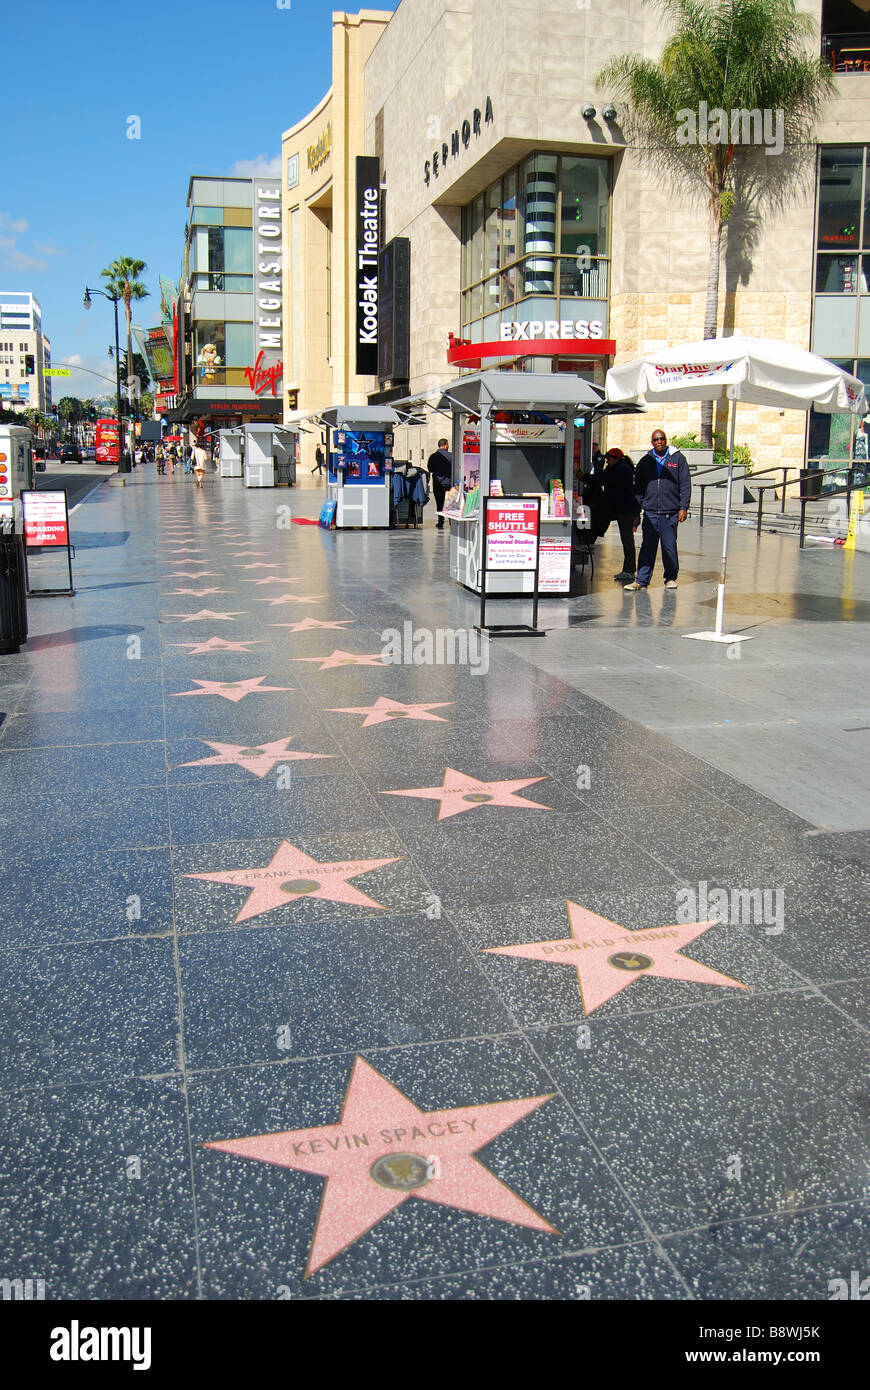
<point x="262" y="166"/>
<point x="11" y="224"/>
<point x="46" y="250"/>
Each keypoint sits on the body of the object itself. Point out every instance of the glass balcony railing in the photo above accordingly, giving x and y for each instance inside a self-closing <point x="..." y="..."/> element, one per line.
<point x="847" y="52"/>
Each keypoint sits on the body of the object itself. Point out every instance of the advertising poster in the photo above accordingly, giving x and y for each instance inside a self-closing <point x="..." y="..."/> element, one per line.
<point x="511" y="533"/>
<point x="554" y="574"/>
<point x="471" y="458"/>
<point x="359" y="457"/>
<point x="45" y="519"/>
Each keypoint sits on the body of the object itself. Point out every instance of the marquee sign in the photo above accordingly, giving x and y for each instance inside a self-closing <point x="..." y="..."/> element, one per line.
<point x="368" y="239"/>
<point x="268" y="321"/>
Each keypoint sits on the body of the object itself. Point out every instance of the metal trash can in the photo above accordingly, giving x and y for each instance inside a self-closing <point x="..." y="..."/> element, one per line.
<point x="13" y="595"/>
<point x="811" y="484"/>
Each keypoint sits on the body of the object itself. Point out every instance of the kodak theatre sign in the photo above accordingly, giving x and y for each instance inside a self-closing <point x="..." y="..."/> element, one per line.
<point x="368" y="243"/>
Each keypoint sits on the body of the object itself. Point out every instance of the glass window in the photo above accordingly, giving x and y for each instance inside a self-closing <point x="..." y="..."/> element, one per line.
<point x="209" y="365"/>
<point x="509" y="220"/>
<point x="538" y="197"/>
<point x="215" y="249"/>
<point x="475" y="264"/>
<point x="238" y="250"/>
<point x="840" y="196"/>
<point x="836" y="274"/>
<point x="239" y="284"/>
<point x="492" y="230"/>
<point x="213" y="215"/>
<point x="239" y="339"/>
<point x="585" y="195"/>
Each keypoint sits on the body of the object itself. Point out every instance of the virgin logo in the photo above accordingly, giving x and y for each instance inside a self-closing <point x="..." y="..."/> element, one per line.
<point x="260" y="377"/>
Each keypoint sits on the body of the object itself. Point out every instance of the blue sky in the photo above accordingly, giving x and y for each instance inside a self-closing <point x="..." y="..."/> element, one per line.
<point x="214" y="85"/>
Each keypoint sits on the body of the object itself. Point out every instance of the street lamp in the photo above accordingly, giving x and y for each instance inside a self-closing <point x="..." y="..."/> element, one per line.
<point x="123" y="460"/>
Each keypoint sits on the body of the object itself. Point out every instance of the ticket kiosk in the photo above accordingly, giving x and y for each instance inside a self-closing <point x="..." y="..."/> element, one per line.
<point x="520" y="435"/>
<point x="269" y="455"/>
<point x="360" y="463"/>
<point x="230" y="445"/>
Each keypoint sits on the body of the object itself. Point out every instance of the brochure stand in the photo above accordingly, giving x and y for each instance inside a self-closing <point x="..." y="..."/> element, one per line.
<point x="359" y="474"/>
<point x="512" y="539"/>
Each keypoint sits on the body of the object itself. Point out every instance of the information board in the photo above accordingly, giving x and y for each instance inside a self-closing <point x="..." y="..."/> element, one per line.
<point x="554" y="576"/>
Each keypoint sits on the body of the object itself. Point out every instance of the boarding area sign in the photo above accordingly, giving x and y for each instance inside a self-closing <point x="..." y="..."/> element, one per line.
<point x="46" y="529"/>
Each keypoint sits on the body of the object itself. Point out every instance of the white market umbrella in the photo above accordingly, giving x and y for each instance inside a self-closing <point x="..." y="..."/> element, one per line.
<point x="759" y="371"/>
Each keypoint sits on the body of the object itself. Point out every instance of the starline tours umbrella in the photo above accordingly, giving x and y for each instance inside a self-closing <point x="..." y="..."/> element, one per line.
<point x="759" y="371"/>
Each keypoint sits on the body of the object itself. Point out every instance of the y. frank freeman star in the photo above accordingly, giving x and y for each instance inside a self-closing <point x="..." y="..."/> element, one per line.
<point x="231" y="690"/>
<point x="291" y="874"/>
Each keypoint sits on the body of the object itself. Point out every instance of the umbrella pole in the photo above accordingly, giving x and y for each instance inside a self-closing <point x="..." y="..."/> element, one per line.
<point x="720" y="598"/>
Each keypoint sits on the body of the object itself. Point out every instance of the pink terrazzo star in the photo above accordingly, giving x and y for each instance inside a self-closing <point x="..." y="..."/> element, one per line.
<point x="231" y="690"/>
<point x="217" y="644"/>
<point x="192" y="574"/>
<point x="291" y="874"/>
<point x="201" y="616"/>
<point x="384" y="1150"/>
<point x="197" y="593"/>
<point x="340" y="658"/>
<point x="309" y="624"/>
<point x="275" y="579"/>
<point x="460" y="792"/>
<point x="259" y="760"/>
<point x="274" y="566"/>
<point x="384" y="710"/>
<point x="237" y="554"/>
<point x="608" y="958"/>
<point x="292" y="598"/>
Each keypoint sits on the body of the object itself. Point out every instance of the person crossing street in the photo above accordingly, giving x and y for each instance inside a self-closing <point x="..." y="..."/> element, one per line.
<point x="663" y="489"/>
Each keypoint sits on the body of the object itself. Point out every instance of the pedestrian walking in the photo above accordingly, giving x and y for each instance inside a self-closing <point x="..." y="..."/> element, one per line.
<point x="318" y="460"/>
<point x="161" y="459"/>
<point x="663" y="490"/>
<point x="188" y="459"/>
<point x="200" y="457"/>
<point x="440" y="469"/>
<point x="620" y="505"/>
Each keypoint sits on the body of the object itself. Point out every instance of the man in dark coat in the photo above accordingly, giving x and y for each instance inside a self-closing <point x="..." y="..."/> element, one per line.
<point x="663" y="490"/>
<point x="620" y="505"/>
<point x="440" y="468"/>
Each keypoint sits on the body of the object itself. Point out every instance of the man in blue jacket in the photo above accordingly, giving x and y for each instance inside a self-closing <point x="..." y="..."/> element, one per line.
<point x="663" y="488"/>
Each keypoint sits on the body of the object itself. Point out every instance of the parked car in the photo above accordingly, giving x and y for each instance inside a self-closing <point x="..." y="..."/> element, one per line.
<point x="71" y="453"/>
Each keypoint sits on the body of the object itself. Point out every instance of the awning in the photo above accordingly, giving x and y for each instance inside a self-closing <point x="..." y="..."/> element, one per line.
<point x="550" y="391"/>
<point x="358" y="416"/>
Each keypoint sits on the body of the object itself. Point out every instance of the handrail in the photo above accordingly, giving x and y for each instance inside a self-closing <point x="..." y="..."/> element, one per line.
<point x="835" y="492"/>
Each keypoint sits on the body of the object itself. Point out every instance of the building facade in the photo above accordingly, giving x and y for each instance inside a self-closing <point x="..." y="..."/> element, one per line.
<point x="536" y="239"/>
<point x="230" y="310"/>
<point x="25" y="353"/>
<point x="318" y="162"/>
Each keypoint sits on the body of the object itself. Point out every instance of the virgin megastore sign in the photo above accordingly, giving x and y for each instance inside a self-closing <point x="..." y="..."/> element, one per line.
<point x="269" y="300"/>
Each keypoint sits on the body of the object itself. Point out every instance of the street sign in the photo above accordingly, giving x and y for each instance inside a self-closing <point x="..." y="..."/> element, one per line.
<point x="56" y="371"/>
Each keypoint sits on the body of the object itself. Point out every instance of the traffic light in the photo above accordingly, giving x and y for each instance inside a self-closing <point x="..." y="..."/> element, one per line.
<point x="29" y="364"/>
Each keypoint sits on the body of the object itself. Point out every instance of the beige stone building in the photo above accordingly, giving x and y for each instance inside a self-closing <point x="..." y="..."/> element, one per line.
<point x="318" y="155"/>
<point x="536" y="238"/>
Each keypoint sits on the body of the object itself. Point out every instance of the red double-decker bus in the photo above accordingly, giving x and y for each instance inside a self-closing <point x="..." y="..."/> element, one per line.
<point x="106" y="443"/>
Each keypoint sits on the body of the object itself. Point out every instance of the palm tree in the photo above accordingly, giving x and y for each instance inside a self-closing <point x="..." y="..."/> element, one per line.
<point x="121" y="282"/>
<point x="731" y="57"/>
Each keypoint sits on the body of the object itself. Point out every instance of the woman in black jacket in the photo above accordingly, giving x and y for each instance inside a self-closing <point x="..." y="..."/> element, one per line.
<point x="620" y="505"/>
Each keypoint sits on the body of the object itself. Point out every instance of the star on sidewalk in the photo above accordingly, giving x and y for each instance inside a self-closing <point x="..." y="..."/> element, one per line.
<point x="274" y="566"/>
<point x="292" y="874"/>
<point x="309" y="624"/>
<point x="384" y="710"/>
<point x="275" y="579"/>
<point x="197" y="593"/>
<point x="340" y="658"/>
<point x="460" y="792"/>
<point x="292" y="598"/>
<point x="385" y="1149"/>
<point x="608" y="958"/>
<point x="237" y="554"/>
<point x="258" y="760"/>
<point x="201" y="616"/>
<point x="217" y="644"/>
<point x="231" y="690"/>
<point x="197" y="574"/>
